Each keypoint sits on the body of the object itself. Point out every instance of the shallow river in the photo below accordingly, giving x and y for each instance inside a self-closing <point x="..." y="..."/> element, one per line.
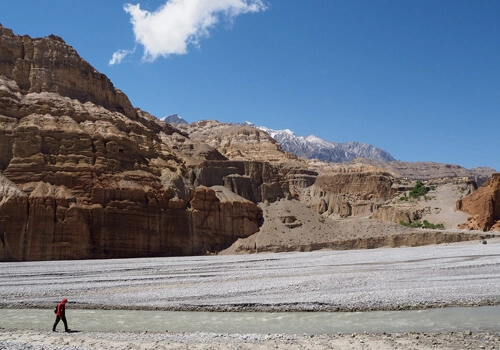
<point x="432" y="320"/>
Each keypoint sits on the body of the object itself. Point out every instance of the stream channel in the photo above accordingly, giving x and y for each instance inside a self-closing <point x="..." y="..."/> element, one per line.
<point x="485" y="318"/>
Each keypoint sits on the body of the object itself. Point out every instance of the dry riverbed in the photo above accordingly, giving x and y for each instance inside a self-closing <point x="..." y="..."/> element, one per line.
<point x="379" y="279"/>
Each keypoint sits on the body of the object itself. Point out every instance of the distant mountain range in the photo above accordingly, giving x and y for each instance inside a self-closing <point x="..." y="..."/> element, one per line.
<point x="313" y="147"/>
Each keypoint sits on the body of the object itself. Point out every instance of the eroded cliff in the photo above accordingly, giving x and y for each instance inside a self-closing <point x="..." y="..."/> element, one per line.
<point x="484" y="206"/>
<point x="86" y="175"/>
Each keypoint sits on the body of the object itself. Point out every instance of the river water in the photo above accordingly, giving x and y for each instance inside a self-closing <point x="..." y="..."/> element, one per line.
<point x="484" y="318"/>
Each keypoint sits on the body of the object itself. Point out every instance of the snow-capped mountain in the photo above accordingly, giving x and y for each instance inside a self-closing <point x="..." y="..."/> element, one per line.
<point x="313" y="147"/>
<point x="173" y="118"/>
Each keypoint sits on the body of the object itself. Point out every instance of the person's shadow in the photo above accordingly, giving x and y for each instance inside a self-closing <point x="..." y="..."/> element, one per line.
<point x="73" y="331"/>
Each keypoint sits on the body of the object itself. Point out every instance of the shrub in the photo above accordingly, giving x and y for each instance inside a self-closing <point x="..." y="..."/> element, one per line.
<point x="425" y="224"/>
<point x="413" y="224"/>
<point x="418" y="190"/>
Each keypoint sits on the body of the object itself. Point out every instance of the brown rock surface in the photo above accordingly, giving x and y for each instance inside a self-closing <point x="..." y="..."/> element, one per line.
<point x="48" y="65"/>
<point x="13" y="220"/>
<point x="437" y="206"/>
<point x="484" y="206"/>
<point x="85" y="175"/>
<point x="289" y="225"/>
<point x="238" y="142"/>
<point x="220" y="211"/>
<point x="350" y="194"/>
<point x="430" y="170"/>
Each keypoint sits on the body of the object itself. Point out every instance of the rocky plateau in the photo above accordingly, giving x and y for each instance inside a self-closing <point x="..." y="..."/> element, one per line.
<point x="84" y="175"/>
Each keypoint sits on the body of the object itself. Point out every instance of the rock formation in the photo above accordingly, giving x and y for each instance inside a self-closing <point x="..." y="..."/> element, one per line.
<point x="430" y="170"/>
<point x="484" y="206"/>
<point x="48" y="65"/>
<point x="86" y="175"/>
<point x="313" y="147"/>
<point x="351" y="194"/>
<point x="238" y="142"/>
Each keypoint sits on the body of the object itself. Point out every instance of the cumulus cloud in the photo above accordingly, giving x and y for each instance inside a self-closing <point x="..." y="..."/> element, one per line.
<point x="119" y="55"/>
<point x="180" y="23"/>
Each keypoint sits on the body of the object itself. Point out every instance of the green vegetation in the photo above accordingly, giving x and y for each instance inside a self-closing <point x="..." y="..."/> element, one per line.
<point x="403" y="197"/>
<point x="424" y="224"/>
<point x="418" y="190"/>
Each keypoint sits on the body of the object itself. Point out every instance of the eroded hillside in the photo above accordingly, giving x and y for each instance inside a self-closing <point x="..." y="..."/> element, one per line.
<point x="84" y="174"/>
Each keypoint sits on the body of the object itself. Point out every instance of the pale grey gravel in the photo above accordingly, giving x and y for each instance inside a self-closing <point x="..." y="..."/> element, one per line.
<point x="378" y="279"/>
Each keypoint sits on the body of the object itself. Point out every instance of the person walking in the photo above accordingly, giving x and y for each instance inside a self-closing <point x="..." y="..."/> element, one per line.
<point x="61" y="315"/>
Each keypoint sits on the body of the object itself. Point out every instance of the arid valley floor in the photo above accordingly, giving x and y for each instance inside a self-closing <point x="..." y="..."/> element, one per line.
<point x="460" y="274"/>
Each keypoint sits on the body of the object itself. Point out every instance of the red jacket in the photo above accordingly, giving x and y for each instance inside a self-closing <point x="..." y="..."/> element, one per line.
<point x="61" y="308"/>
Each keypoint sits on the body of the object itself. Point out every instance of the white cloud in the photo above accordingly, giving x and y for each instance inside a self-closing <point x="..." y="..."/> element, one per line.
<point x="119" y="55"/>
<point x="179" y="23"/>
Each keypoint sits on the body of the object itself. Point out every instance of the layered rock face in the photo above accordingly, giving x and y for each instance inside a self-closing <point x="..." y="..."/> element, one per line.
<point x="350" y="194"/>
<point x="48" y="65"/>
<point x="85" y="175"/>
<point x="221" y="216"/>
<point x="238" y="142"/>
<point x="484" y="206"/>
<point x="431" y="170"/>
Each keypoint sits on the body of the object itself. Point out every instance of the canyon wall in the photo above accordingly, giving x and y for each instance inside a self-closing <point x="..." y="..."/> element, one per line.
<point x="484" y="206"/>
<point x="86" y="175"/>
<point x="350" y="194"/>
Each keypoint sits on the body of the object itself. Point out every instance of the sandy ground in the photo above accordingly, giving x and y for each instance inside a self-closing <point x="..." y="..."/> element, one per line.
<point x="441" y="207"/>
<point x="454" y="274"/>
<point x="306" y="230"/>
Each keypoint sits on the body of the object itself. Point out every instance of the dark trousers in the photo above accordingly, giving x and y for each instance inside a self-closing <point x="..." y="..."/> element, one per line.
<point x="57" y="321"/>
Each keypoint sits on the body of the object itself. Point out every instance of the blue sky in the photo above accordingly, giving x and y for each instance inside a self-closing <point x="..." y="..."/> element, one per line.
<point x="417" y="78"/>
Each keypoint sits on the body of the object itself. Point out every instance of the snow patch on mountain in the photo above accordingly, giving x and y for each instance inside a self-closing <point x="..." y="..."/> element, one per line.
<point x="173" y="119"/>
<point x="313" y="147"/>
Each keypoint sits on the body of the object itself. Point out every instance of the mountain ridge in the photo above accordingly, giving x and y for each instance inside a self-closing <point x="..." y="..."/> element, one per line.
<point x="86" y="175"/>
<point x="314" y="147"/>
<point x="173" y="119"/>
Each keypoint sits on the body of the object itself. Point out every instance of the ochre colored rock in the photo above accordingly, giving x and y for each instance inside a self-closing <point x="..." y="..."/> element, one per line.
<point x="396" y="214"/>
<point x="350" y="194"/>
<point x="13" y="220"/>
<point x="84" y="175"/>
<point x="238" y="142"/>
<point x="50" y="65"/>
<point x="483" y="205"/>
<point x="221" y="216"/>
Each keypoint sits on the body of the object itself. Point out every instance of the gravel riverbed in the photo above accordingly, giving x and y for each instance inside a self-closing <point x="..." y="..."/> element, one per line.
<point x="379" y="279"/>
